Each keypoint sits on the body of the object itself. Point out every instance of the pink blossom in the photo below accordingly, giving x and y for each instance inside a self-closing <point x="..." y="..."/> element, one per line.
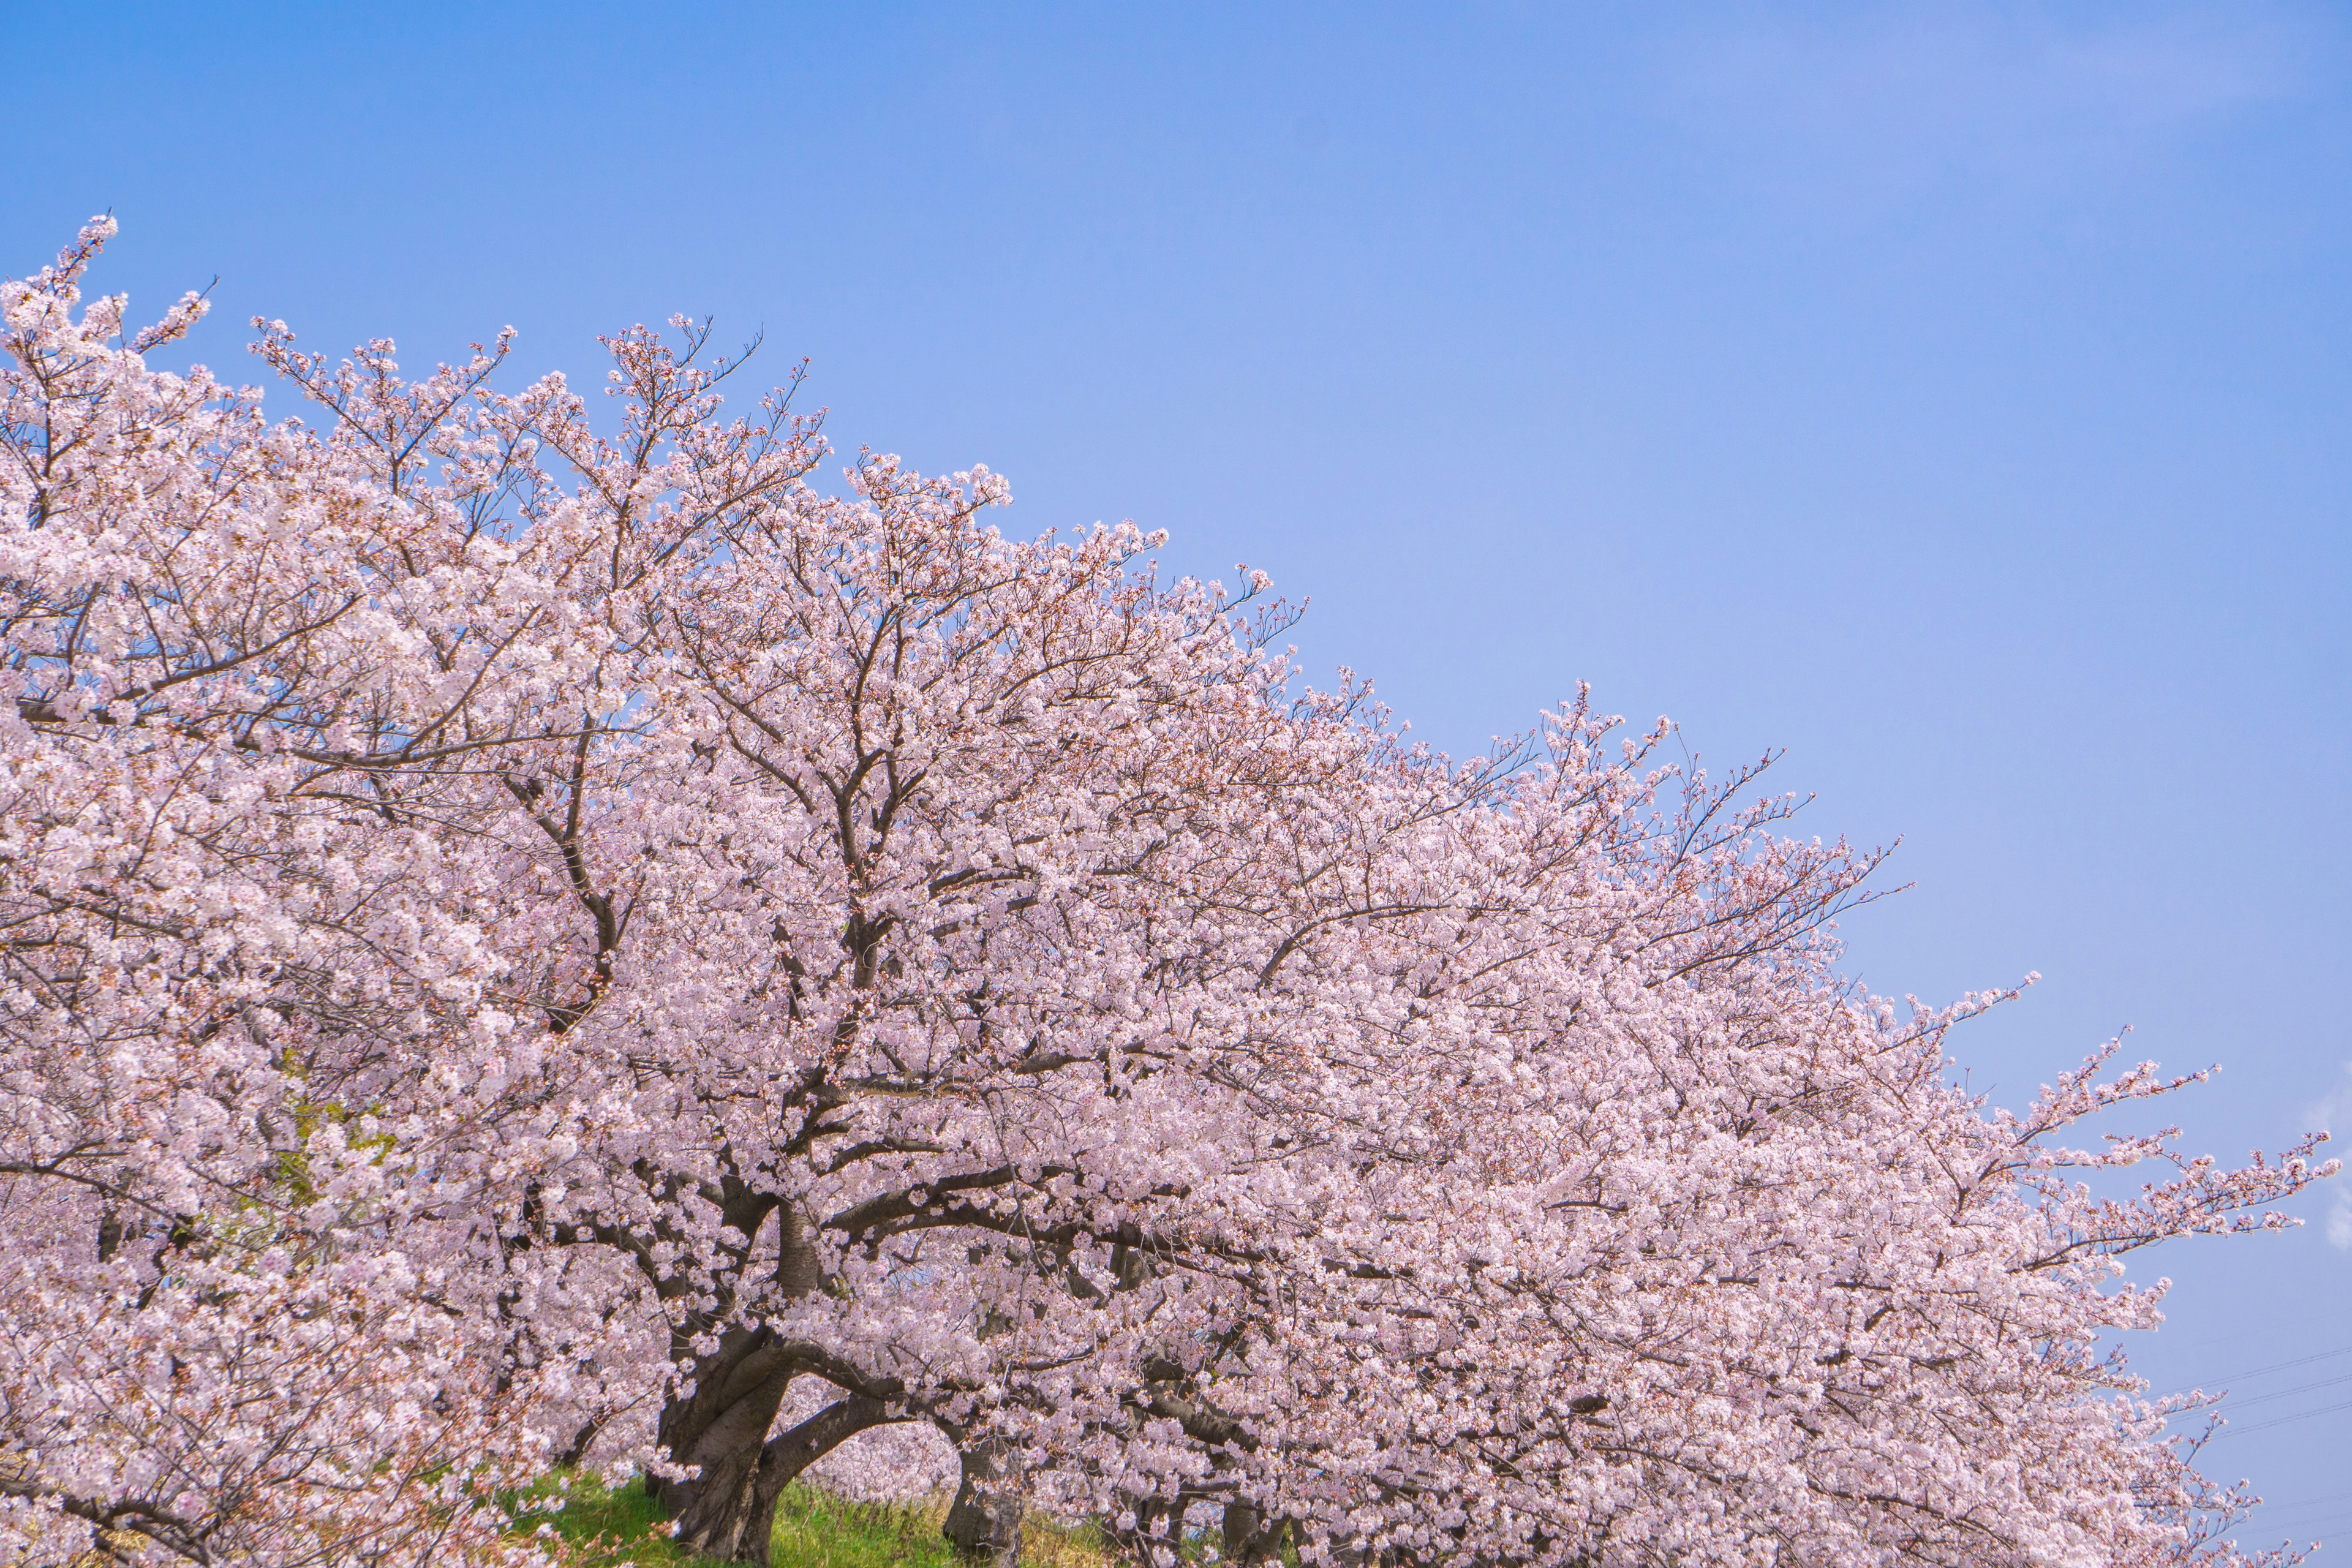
<point x="529" y="943"/>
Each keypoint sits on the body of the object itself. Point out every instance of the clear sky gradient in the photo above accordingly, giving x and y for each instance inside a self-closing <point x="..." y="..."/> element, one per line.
<point x="1959" y="399"/>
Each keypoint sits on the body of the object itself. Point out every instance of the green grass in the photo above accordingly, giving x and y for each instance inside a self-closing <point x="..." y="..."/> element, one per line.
<point x="621" y="1528"/>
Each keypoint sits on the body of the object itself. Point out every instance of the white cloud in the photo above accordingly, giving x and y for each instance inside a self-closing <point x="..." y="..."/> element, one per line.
<point x="2334" y="1111"/>
<point x="1890" y="103"/>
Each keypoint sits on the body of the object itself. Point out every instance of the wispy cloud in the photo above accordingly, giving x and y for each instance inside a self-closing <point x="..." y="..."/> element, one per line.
<point x="1904" y="98"/>
<point x="2334" y="1112"/>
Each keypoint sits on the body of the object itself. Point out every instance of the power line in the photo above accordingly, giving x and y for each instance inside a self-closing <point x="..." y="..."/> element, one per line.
<point x="2326" y="1526"/>
<point x="2275" y="1366"/>
<point x="2228" y="1406"/>
<point x="2305" y="1505"/>
<point x="2266" y="1517"/>
<point x="2283" y="1420"/>
<point x="2284" y="1392"/>
<point x="2304" y="1518"/>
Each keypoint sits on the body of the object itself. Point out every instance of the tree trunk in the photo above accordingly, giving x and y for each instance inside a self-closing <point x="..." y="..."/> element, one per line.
<point x="1153" y="1539"/>
<point x="734" y="1517"/>
<point x="727" y="1508"/>
<point x="1251" y="1539"/>
<point x="722" y="1430"/>
<point x="984" y="1523"/>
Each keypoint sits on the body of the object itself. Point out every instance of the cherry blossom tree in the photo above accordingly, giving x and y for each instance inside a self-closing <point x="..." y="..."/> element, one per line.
<point x="537" y="939"/>
<point x="233" y="1328"/>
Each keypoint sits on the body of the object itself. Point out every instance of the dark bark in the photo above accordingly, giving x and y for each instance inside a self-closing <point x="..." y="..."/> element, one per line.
<point x="1251" y="1538"/>
<point x="1153" y="1537"/>
<point x="984" y="1523"/>
<point x="713" y="1508"/>
<point x="727" y="1507"/>
<point x="734" y="1519"/>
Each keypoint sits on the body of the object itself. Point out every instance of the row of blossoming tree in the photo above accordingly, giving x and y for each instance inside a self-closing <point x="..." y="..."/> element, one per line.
<point x="532" y="941"/>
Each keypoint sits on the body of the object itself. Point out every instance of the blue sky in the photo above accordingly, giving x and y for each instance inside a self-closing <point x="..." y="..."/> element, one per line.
<point x="1959" y="399"/>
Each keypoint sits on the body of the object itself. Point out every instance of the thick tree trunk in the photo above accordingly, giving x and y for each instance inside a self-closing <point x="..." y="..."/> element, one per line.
<point x="720" y="1430"/>
<point x="727" y="1507"/>
<point x="984" y="1523"/>
<point x="1152" y="1541"/>
<point x="1251" y="1539"/>
<point x="733" y="1516"/>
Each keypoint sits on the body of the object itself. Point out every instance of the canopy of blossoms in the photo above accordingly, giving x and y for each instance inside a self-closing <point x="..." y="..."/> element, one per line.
<point x="534" y="939"/>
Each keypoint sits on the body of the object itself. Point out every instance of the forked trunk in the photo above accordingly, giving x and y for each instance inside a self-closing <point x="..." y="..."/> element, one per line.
<point x="984" y="1523"/>
<point x="732" y="1515"/>
<point x="1251" y="1539"/>
<point x="727" y="1509"/>
<point x="719" y="1429"/>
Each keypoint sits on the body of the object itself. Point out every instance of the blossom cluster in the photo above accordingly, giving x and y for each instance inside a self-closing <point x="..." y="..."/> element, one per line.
<point x="532" y="940"/>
